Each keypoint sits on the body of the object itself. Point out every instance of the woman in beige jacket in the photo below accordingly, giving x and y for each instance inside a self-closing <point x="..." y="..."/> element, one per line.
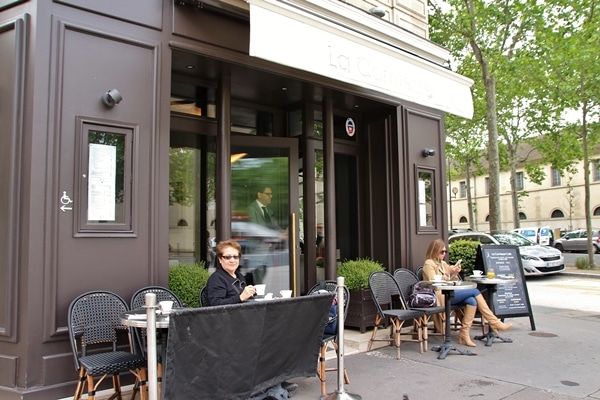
<point x="471" y="298"/>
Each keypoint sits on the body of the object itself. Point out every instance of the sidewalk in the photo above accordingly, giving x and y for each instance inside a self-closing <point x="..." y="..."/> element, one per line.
<point x="558" y="361"/>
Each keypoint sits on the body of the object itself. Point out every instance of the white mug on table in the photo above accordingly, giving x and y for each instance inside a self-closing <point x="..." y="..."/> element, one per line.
<point x="260" y="289"/>
<point x="166" y="306"/>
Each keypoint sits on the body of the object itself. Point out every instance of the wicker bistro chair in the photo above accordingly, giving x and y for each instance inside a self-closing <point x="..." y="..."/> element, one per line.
<point x="384" y="289"/>
<point x="94" y="323"/>
<point x="138" y="300"/>
<point x="329" y="339"/>
<point x="406" y="279"/>
<point x="203" y="300"/>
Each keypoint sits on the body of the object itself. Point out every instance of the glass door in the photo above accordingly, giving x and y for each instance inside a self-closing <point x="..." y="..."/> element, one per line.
<point x="264" y="209"/>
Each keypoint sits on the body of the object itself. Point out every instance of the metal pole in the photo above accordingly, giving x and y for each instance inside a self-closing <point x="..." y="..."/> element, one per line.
<point x="450" y="197"/>
<point x="150" y="299"/>
<point x="341" y="393"/>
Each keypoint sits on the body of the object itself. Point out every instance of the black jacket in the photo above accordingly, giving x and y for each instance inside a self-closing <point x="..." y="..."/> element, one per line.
<point x="223" y="289"/>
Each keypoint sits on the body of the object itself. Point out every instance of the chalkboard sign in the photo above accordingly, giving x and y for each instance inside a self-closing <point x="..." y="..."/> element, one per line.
<point x="511" y="299"/>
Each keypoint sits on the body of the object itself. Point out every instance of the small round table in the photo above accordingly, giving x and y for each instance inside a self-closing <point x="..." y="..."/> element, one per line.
<point x="490" y="287"/>
<point x="448" y="288"/>
<point x="138" y="318"/>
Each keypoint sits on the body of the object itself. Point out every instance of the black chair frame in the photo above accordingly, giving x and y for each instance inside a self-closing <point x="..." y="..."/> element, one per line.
<point x="138" y="300"/>
<point x="330" y="286"/>
<point x="94" y="325"/>
<point x="385" y="292"/>
<point x="406" y="279"/>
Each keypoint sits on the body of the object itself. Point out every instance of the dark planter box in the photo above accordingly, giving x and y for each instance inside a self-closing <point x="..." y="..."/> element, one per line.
<point x="361" y="310"/>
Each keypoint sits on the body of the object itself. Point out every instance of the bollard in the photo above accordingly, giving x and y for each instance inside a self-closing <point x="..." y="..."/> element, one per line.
<point x="150" y="300"/>
<point x="341" y="392"/>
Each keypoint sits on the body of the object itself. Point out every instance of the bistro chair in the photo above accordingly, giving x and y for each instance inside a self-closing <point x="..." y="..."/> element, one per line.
<point x="406" y="280"/>
<point x="94" y="324"/>
<point x="385" y="291"/>
<point x="329" y="339"/>
<point x="204" y="297"/>
<point x="138" y="300"/>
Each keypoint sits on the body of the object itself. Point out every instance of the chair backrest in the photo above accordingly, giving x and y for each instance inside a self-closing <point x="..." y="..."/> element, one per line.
<point x="419" y="273"/>
<point x="331" y="286"/>
<point x="138" y="299"/>
<point x="204" y="297"/>
<point x="405" y="279"/>
<point x="384" y="290"/>
<point x="93" y="319"/>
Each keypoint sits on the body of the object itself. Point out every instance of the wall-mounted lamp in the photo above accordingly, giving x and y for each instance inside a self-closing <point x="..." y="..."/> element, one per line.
<point x="111" y="98"/>
<point x="428" y="151"/>
<point x="377" y="11"/>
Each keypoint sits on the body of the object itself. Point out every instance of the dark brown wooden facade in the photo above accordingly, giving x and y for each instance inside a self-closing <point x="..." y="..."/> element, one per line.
<point x="59" y="58"/>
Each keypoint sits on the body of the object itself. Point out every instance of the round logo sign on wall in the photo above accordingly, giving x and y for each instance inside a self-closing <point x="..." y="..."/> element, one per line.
<point x="350" y="127"/>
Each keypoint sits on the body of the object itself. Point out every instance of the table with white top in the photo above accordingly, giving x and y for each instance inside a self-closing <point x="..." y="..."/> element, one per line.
<point x="448" y="288"/>
<point x="488" y="287"/>
<point x="149" y="318"/>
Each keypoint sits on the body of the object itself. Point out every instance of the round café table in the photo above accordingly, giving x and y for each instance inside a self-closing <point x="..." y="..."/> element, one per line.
<point x="487" y="287"/>
<point x="138" y="318"/>
<point x="448" y="288"/>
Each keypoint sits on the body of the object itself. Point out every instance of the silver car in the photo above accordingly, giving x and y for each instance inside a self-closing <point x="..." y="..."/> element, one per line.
<point x="577" y="241"/>
<point x="536" y="259"/>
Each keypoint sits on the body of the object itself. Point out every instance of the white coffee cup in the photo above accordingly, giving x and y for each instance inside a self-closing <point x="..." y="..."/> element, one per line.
<point x="285" y="293"/>
<point x="260" y="289"/>
<point x="269" y="296"/>
<point x="477" y="272"/>
<point x="437" y="278"/>
<point x="166" y="305"/>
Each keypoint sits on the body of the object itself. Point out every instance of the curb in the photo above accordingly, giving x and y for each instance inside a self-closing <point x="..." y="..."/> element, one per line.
<point x="582" y="273"/>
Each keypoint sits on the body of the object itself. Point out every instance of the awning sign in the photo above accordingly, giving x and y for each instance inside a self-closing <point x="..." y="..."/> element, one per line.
<point x="311" y="43"/>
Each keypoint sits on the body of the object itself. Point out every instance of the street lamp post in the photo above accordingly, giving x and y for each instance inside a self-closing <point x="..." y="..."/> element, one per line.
<point x="452" y="196"/>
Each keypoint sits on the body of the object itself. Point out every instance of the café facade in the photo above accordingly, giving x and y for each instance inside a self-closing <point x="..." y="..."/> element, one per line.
<point x="135" y="134"/>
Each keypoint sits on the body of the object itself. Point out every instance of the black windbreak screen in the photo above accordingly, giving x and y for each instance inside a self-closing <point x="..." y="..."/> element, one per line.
<point x="232" y="352"/>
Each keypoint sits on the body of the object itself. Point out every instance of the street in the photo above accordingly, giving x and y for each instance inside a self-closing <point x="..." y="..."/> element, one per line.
<point x="565" y="291"/>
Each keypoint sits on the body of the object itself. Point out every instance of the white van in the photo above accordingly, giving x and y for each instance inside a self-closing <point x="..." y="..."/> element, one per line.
<point x="543" y="235"/>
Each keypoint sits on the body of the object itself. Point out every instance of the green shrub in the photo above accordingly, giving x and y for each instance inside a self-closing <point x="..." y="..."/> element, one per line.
<point x="465" y="250"/>
<point x="582" y="263"/>
<point x="356" y="272"/>
<point x="186" y="280"/>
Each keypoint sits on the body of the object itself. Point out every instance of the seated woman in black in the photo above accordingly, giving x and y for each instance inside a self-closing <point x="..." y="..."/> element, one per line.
<point x="227" y="285"/>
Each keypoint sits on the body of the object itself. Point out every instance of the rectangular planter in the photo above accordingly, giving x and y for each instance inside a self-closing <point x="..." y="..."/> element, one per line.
<point x="361" y="310"/>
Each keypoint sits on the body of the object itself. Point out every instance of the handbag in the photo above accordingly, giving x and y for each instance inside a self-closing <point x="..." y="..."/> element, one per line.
<point x="422" y="297"/>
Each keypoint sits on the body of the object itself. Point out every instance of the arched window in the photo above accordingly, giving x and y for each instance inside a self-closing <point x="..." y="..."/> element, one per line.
<point x="463" y="220"/>
<point x="597" y="211"/>
<point x="557" y="214"/>
<point x="522" y="215"/>
<point x="487" y="218"/>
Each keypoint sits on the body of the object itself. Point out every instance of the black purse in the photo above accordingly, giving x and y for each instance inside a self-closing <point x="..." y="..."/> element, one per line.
<point x="422" y="297"/>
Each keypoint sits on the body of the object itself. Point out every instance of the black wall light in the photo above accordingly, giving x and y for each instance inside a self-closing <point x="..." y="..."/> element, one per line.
<point x="111" y="98"/>
<point x="428" y="151"/>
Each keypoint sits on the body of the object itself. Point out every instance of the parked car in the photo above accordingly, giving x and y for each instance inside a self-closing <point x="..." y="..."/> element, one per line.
<point x="540" y="235"/>
<point x="536" y="259"/>
<point x="577" y="241"/>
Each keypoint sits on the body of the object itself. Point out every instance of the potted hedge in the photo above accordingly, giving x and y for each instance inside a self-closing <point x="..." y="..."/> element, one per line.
<point x="361" y="310"/>
<point x="465" y="250"/>
<point x="186" y="280"/>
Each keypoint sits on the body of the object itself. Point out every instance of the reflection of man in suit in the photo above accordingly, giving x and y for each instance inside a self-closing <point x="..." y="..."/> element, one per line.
<point x="259" y="211"/>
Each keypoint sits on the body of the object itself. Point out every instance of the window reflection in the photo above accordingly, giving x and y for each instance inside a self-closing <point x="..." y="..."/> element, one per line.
<point x="260" y="213"/>
<point x="425" y="198"/>
<point x="191" y="200"/>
